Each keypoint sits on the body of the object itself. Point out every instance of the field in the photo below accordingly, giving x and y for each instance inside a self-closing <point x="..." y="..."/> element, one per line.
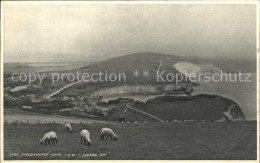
<point x="14" y="114"/>
<point x="144" y="141"/>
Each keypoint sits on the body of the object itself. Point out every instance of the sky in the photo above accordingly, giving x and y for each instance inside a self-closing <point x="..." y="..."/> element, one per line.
<point x="94" y="32"/>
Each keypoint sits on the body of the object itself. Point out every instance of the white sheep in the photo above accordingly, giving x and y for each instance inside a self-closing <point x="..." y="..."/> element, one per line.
<point x="68" y="128"/>
<point x="84" y="135"/>
<point x="22" y="123"/>
<point x="108" y="133"/>
<point x="48" y="137"/>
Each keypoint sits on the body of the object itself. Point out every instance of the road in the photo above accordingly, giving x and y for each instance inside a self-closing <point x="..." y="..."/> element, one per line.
<point x="130" y="107"/>
<point x="59" y="90"/>
<point x="161" y="62"/>
<point x="159" y="65"/>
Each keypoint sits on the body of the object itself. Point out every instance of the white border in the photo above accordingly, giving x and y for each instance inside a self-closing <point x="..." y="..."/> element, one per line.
<point x="1" y="91"/>
<point x="256" y="2"/>
<point x="134" y="2"/>
<point x="257" y="59"/>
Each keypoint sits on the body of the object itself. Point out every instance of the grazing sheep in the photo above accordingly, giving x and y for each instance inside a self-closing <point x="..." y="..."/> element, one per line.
<point x="84" y="135"/>
<point x="22" y="123"/>
<point x="68" y="128"/>
<point x="136" y="122"/>
<point x="108" y="133"/>
<point x="144" y="121"/>
<point x="15" y="123"/>
<point x="48" y="137"/>
<point x="128" y="122"/>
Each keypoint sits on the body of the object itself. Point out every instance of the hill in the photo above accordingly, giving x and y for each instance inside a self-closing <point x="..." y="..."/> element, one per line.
<point x="165" y="64"/>
<point x="199" y="107"/>
<point x="137" y="61"/>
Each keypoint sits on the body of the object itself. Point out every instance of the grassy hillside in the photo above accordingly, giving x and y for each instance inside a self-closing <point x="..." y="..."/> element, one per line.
<point x="200" y="107"/>
<point x="149" y="141"/>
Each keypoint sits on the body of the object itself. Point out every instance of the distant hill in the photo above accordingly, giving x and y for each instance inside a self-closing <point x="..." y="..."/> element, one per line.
<point x="137" y="61"/>
<point x="152" y="62"/>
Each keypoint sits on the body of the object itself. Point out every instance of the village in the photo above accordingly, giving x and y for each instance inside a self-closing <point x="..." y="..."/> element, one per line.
<point x="87" y="104"/>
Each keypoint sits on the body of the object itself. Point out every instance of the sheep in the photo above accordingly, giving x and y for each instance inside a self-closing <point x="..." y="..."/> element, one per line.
<point x="108" y="133"/>
<point x="15" y="123"/>
<point x="84" y="135"/>
<point x="22" y="123"/>
<point x="68" y="128"/>
<point x="48" y="137"/>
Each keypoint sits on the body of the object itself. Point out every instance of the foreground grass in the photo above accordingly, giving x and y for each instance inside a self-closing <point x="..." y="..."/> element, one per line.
<point x="146" y="141"/>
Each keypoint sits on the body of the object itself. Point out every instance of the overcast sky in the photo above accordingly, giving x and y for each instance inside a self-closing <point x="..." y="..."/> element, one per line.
<point x="44" y="33"/>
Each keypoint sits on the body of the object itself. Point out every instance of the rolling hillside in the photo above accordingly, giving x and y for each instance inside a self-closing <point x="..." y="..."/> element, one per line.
<point x="136" y="61"/>
<point x="199" y="107"/>
<point x="150" y="61"/>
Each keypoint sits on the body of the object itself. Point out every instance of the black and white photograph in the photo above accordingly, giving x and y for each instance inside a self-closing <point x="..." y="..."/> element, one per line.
<point x="129" y="80"/>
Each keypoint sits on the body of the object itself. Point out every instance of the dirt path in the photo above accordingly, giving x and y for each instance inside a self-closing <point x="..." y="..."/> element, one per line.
<point x="129" y="107"/>
<point x="161" y="62"/>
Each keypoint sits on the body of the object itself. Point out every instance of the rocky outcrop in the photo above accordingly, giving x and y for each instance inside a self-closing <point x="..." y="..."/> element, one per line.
<point x="127" y="89"/>
<point x="197" y="107"/>
<point x="188" y="68"/>
<point x="140" y="89"/>
<point x="232" y="115"/>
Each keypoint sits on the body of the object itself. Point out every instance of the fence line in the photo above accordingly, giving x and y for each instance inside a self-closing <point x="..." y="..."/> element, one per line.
<point x="38" y="122"/>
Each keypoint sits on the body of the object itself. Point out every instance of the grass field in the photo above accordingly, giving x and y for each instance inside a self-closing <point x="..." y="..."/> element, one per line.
<point x="15" y="114"/>
<point x="145" y="141"/>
